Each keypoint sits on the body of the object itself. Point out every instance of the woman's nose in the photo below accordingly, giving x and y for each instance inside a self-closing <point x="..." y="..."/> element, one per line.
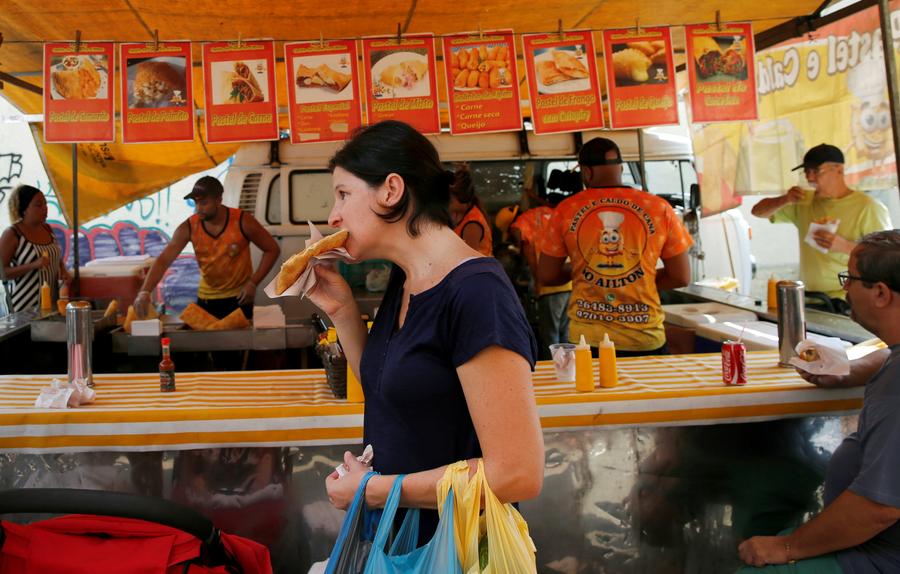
<point x="334" y="218"/>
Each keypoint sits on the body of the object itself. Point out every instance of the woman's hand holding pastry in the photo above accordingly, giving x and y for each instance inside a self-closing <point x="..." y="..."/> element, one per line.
<point x="331" y="292"/>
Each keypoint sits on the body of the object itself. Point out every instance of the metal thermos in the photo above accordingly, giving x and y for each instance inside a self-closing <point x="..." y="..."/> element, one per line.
<point x="791" y="319"/>
<point x="79" y="334"/>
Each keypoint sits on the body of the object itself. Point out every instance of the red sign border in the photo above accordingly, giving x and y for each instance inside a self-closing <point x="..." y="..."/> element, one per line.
<point x="110" y="89"/>
<point x="528" y="62"/>
<point x="353" y="47"/>
<point x="610" y="76"/>
<point x="432" y="62"/>
<point x="517" y="96"/>
<point x="751" y="70"/>
<point x="123" y="89"/>
<point x="273" y="90"/>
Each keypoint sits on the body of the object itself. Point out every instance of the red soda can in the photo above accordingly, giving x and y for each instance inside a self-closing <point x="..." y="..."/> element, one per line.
<point x="734" y="363"/>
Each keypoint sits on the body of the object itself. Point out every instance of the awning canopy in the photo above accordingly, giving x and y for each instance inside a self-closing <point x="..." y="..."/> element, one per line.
<point x="112" y="175"/>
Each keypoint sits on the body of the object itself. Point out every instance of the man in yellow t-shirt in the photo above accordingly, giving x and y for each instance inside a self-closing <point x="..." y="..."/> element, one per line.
<point x="614" y="236"/>
<point x="830" y="201"/>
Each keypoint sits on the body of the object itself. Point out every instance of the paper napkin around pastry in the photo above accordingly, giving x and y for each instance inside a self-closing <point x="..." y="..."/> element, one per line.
<point x="832" y="357"/>
<point x="307" y="280"/>
<point x="813" y="227"/>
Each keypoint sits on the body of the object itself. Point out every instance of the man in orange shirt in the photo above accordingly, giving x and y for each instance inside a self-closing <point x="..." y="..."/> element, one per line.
<point x="614" y="236"/>
<point x="221" y="237"/>
<point x="529" y="230"/>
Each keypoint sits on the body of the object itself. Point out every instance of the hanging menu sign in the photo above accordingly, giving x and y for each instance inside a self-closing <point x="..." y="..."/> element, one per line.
<point x="640" y="77"/>
<point x="78" y="92"/>
<point x="563" y="82"/>
<point x="400" y="81"/>
<point x="239" y="86"/>
<point x="482" y="82"/>
<point x="323" y="91"/>
<point x="157" y="94"/>
<point x="722" y="76"/>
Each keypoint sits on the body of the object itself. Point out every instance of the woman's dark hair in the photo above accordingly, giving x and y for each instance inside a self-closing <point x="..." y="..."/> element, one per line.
<point x="19" y="201"/>
<point x="376" y="151"/>
<point x="463" y="189"/>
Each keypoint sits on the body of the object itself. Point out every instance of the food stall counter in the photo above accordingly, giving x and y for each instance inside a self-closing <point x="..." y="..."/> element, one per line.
<point x="827" y="324"/>
<point x="296" y="407"/>
<point x="15" y="323"/>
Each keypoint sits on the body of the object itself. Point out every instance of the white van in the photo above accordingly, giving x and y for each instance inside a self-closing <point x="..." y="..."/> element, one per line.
<point x="285" y="185"/>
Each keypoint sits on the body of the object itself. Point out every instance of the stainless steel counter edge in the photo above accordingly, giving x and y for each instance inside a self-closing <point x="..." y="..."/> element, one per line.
<point x="827" y="324"/>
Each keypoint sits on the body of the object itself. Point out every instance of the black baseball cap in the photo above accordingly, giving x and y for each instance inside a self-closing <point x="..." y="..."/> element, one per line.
<point x="594" y="152"/>
<point x="822" y="153"/>
<point x="206" y="186"/>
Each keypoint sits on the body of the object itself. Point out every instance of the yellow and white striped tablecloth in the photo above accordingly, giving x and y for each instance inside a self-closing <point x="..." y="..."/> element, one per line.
<point x="292" y="408"/>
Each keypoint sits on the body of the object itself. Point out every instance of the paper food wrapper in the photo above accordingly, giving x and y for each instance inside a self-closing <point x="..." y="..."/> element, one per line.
<point x="832" y="358"/>
<point x="307" y="279"/>
<point x="365" y="458"/>
<point x="60" y="395"/>
<point x="813" y="227"/>
<point x="564" y="361"/>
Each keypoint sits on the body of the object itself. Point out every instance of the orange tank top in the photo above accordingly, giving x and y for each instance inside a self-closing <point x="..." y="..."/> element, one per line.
<point x="224" y="259"/>
<point x="486" y="246"/>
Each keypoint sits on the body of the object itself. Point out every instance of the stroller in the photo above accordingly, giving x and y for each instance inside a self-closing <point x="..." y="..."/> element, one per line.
<point x="118" y="533"/>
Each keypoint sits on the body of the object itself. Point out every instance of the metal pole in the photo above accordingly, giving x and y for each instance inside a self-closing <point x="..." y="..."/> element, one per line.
<point x="890" y="68"/>
<point x="75" y="258"/>
<point x="643" y="172"/>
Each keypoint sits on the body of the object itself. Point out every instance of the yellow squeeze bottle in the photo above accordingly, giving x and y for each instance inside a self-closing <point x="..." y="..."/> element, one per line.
<point x="46" y="298"/>
<point x="584" y="367"/>
<point x="772" y="293"/>
<point x="609" y="374"/>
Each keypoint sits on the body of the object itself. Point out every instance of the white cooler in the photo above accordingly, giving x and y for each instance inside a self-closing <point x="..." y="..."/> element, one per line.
<point x="114" y="278"/>
<point x="756" y="335"/>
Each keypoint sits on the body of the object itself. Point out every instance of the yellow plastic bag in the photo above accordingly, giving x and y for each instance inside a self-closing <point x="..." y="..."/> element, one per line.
<point x="509" y="548"/>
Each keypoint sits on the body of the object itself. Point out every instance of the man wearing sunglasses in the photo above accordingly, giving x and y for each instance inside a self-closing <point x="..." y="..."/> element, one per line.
<point x="830" y="202"/>
<point x="858" y="531"/>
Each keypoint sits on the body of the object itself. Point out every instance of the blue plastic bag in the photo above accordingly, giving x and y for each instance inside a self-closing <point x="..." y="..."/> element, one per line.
<point x="438" y="556"/>
<point x="355" y="539"/>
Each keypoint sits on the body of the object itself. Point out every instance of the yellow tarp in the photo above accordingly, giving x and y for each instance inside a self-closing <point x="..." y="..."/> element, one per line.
<point x="138" y="170"/>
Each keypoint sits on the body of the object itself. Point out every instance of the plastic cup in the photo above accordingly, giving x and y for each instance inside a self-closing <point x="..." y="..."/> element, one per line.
<point x="563" y="355"/>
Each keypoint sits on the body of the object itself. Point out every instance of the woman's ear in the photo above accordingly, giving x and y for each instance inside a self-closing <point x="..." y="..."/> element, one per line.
<point x="391" y="191"/>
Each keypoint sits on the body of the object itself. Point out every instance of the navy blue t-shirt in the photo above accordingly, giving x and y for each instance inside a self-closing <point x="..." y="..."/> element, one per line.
<point x="868" y="464"/>
<point x="416" y="414"/>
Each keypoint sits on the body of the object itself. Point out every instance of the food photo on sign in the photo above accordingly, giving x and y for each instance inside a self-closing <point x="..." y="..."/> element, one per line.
<point x="561" y="69"/>
<point x="638" y="63"/>
<point x="720" y="58"/>
<point x="400" y="74"/>
<point x="156" y="82"/>
<point x="79" y="77"/>
<point x="322" y="78"/>
<point x="480" y="67"/>
<point x="239" y="82"/>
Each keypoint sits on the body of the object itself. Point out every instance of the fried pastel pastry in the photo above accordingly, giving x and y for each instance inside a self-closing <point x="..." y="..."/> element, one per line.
<point x="296" y="265"/>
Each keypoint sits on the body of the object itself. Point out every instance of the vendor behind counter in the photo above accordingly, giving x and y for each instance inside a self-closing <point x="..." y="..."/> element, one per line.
<point x="221" y="238"/>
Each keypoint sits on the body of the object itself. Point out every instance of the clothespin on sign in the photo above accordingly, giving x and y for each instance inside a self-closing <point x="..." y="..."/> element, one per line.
<point x="321" y="40"/>
<point x="399" y="34"/>
<point x="480" y="32"/>
<point x="156" y="40"/>
<point x="1" y="45"/>
<point x="637" y="25"/>
<point x="718" y="20"/>
<point x="77" y="41"/>
<point x="239" y="41"/>
<point x="559" y="28"/>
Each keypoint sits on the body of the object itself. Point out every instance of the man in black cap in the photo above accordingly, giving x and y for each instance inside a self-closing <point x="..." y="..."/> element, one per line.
<point x="614" y="236"/>
<point x="830" y="218"/>
<point x="221" y="237"/>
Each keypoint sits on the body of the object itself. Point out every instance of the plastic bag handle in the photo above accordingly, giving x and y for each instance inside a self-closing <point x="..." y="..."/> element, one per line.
<point x="387" y="517"/>
<point x="358" y="499"/>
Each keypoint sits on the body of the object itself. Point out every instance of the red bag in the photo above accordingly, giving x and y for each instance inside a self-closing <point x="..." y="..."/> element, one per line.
<point x="89" y="544"/>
